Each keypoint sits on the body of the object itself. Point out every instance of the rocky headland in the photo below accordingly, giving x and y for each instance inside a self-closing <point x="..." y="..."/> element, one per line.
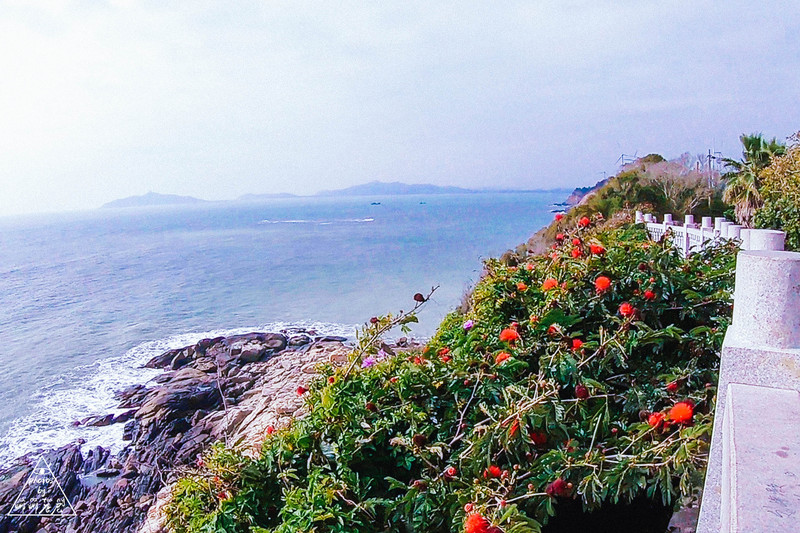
<point x="230" y="389"/>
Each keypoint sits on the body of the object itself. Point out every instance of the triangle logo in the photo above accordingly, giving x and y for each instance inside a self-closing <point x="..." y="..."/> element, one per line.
<point x="42" y="495"/>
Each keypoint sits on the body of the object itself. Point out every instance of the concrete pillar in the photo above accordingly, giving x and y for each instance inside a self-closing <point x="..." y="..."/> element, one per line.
<point x="766" y="239"/>
<point x="688" y="220"/>
<point x="668" y="219"/>
<point x="718" y="223"/>
<point x="723" y="229"/>
<point x="762" y="348"/>
<point x="639" y="217"/>
<point x="745" y="236"/>
<point x="707" y="222"/>
<point x="766" y="310"/>
<point x="735" y="231"/>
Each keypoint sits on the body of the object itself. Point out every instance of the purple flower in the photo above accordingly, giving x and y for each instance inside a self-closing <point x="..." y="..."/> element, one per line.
<point x="368" y="361"/>
<point x="381" y="355"/>
<point x="468" y="325"/>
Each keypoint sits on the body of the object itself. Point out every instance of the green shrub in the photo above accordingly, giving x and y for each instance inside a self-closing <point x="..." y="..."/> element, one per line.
<point x="482" y="423"/>
<point x="780" y="191"/>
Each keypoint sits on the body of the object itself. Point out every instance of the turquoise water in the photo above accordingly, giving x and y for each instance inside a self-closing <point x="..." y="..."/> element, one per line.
<point x="85" y="298"/>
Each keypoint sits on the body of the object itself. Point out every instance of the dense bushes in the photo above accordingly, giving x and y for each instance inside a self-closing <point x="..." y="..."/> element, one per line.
<point x="580" y="377"/>
<point x="780" y="192"/>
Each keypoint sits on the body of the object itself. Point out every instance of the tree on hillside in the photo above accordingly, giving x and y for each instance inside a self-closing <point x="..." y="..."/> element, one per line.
<point x="780" y="190"/>
<point x="742" y="181"/>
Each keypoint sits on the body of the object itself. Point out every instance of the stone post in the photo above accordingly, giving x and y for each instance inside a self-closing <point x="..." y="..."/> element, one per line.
<point x="639" y="217"/>
<point x="668" y="219"/>
<point x="745" y="236"/>
<point x="761" y="348"/>
<point x="766" y="239"/>
<point x="707" y="222"/>
<point x="718" y="224"/>
<point x="735" y="231"/>
<point x="723" y="229"/>
<point x="688" y="221"/>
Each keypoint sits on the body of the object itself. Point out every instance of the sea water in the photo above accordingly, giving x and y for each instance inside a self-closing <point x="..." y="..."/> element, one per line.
<point x="86" y="298"/>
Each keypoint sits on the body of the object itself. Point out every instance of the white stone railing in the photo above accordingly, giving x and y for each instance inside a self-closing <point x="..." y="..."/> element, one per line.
<point x="753" y="478"/>
<point x="690" y="237"/>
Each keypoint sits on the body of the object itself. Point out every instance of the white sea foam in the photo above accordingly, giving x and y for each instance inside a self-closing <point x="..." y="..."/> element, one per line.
<point x="89" y="390"/>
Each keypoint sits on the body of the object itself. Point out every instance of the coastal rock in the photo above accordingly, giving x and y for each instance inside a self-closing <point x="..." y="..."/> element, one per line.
<point x="228" y="389"/>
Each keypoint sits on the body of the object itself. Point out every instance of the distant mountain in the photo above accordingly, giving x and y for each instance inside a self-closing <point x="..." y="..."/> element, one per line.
<point x="378" y="188"/>
<point x="153" y="198"/>
<point x="256" y="197"/>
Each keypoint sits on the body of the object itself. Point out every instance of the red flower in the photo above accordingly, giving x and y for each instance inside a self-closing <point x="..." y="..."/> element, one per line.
<point x="559" y="236"/>
<point x="502" y="356"/>
<point x="576" y="253"/>
<point x="549" y="283"/>
<point x="554" y="256"/>
<point x="468" y="507"/>
<point x="270" y="430"/>
<point x="514" y="428"/>
<point x="584" y="221"/>
<point x="576" y="241"/>
<point x="509" y="335"/>
<point x="649" y="295"/>
<point x="475" y="523"/>
<point x="602" y="284"/>
<point x="559" y="489"/>
<point x="681" y="413"/>
<point x="553" y="330"/>
<point x="443" y="351"/>
<point x="559" y="216"/>
<point x="416" y="360"/>
<point x="538" y="437"/>
<point x="521" y="286"/>
<point x="581" y="392"/>
<point x="528" y="267"/>
<point x="577" y="344"/>
<point x="596" y="249"/>
<point x="492" y="472"/>
<point x="301" y="390"/>
<point x="672" y="386"/>
<point x="626" y="309"/>
<point x="331" y="380"/>
<point x="450" y="471"/>
<point x="656" y="419"/>
<point x="445" y="358"/>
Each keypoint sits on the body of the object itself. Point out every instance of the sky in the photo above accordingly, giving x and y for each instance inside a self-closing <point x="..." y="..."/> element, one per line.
<point x="105" y="99"/>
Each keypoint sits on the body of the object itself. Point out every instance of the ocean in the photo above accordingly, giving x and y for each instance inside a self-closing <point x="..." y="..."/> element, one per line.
<point x="86" y="298"/>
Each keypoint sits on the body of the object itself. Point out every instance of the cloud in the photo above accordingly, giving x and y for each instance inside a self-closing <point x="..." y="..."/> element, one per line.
<point x="103" y="100"/>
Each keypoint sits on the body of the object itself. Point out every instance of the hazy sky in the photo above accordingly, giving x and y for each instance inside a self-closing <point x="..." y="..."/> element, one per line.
<point x="101" y="100"/>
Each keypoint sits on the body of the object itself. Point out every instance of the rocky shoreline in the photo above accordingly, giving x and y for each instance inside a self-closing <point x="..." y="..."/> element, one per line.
<point x="223" y="389"/>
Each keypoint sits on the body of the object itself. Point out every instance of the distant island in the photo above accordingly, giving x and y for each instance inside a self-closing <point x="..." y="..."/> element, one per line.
<point x="379" y="188"/>
<point x="268" y="196"/>
<point x="373" y="188"/>
<point x="151" y="199"/>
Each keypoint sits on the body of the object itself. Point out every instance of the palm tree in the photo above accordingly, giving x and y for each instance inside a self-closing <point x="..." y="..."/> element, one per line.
<point x="742" y="182"/>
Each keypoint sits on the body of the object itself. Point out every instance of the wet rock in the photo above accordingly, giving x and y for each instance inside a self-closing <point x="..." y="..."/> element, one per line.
<point x="173" y="420"/>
